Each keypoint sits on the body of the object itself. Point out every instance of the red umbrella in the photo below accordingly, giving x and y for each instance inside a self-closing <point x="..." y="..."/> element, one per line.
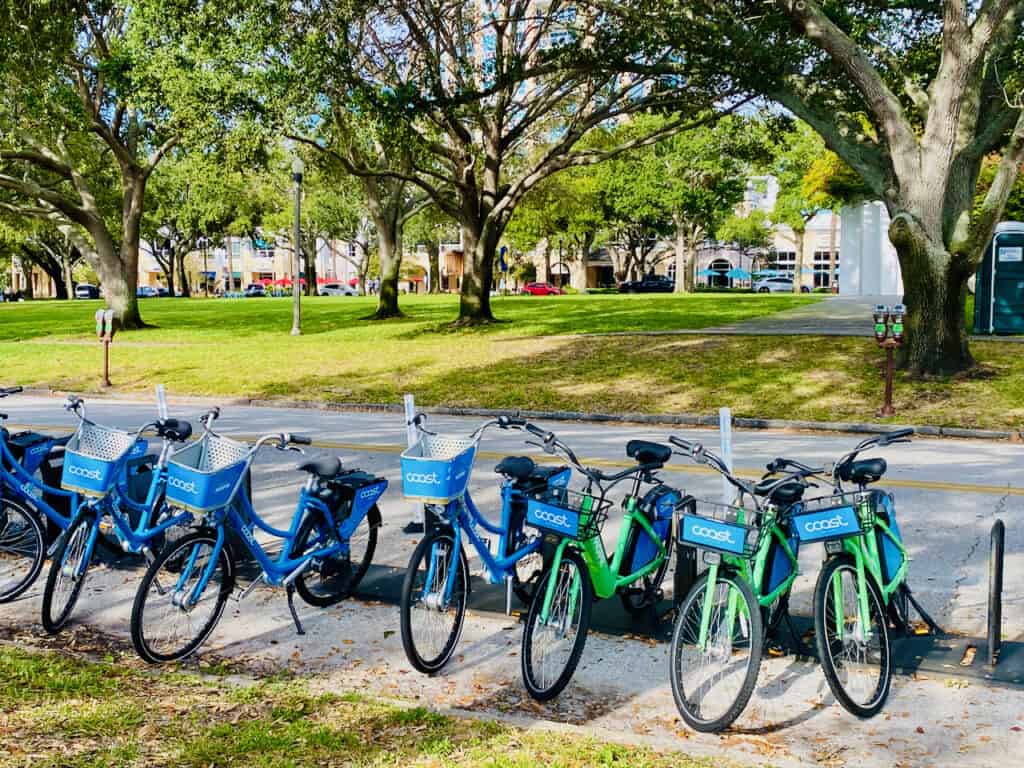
<point x="283" y="281"/>
<point x="322" y="280"/>
<point x="266" y="281"/>
<point x="302" y="281"/>
<point x="353" y="281"/>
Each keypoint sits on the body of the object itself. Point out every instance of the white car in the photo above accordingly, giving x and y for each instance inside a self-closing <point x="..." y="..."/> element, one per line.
<point x="338" y="289"/>
<point x="780" y="284"/>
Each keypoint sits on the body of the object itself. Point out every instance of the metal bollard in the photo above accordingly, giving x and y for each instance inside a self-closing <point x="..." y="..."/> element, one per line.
<point x="995" y="592"/>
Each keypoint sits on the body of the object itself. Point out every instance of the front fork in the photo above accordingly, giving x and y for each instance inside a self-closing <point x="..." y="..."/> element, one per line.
<point x="552" y="586"/>
<point x="863" y="633"/>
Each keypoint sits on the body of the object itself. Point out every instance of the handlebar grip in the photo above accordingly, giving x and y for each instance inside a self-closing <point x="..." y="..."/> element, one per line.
<point x="777" y="465"/>
<point x="898" y="434"/>
<point x="511" y="421"/>
<point x="211" y="415"/>
<point x="299" y="439"/>
<point x="5" y="391"/>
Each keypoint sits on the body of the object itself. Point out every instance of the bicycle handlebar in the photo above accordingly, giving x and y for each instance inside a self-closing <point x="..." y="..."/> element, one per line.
<point x="5" y="391"/>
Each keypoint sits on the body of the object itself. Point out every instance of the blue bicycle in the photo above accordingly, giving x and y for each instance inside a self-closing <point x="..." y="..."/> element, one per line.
<point x="436" y="471"/>
<point x="34" y="509"/>
<point x="94" y="459"/>
<point x="327" y="549"/>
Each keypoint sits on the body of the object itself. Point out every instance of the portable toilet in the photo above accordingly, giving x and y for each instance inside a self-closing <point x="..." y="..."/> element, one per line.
<point x="999" y="287"/>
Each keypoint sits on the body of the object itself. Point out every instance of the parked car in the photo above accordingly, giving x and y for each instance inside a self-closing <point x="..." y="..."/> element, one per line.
<point x="338" y="289"/>
<point x="146" y="292"/>
<point x="162" y="292"/>
<point x="255" y="289"/>
<point x="86" y="291"/>
<point x="541" y="289"/>
<point x="778" y="284"/>
<point x="648" y="284"/>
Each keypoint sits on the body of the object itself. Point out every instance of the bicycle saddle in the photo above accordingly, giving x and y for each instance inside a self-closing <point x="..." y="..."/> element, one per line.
<point x="324" y="467"/>
<point x="516" y="467"/>
<point x="646" y="452"/>
<point x="784" y="495"/>
<point x="863" y="472"/>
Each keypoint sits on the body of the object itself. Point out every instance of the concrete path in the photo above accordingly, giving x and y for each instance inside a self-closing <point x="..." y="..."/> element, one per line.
<point x="948" y="493"/>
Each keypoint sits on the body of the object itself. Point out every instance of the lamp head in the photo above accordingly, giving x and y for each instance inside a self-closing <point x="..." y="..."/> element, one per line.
<point x="298" y="167"/>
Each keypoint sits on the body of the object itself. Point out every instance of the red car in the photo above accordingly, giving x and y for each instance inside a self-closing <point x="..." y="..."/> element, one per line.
<point x="541" y="289"/>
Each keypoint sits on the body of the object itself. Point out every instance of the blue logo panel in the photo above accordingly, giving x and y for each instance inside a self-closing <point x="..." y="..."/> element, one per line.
<point x="713" y="534"/>
<point x="551" y="518"/>
<point x="836" y="523"/>
<point x="436" y="480"/>
<point x="561" y="480"/>
<point x="666" y="505"/>
<point x="367" y="496"/>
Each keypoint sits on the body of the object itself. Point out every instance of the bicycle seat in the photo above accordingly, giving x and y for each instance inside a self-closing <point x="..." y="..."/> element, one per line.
<point x="863" y="472"/>
<point x="324" y="467"/>
<point x="784" y="495"/>
<point x="516" y="467"/>
<point x="646" y="452"/>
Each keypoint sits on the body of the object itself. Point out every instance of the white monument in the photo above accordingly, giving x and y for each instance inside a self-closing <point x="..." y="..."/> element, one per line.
<point x="869" y="266"/>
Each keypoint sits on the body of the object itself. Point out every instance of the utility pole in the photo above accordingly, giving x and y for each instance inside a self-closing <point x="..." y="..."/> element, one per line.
<point x="297" y="169"/>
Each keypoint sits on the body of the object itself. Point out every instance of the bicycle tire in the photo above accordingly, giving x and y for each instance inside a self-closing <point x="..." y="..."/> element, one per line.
<point x="330" y="574"/>
<point x="537" y="690"/>
<point x="682" y="635"/>
<point x="81" y="552"/>
<point x="25" y="538"/>
<point x="823" y="622"/>
<point x="143" y="645"/>
<point x="522" y="588"/>
<point x="636" y="600"/>
<point x="460" y="591"/>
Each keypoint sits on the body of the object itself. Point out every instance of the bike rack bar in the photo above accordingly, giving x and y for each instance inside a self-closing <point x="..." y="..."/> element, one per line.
<point x="995" y="592"/>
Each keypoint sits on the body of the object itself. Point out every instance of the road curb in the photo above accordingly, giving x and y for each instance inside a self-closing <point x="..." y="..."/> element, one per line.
<point x="659" y="419"/>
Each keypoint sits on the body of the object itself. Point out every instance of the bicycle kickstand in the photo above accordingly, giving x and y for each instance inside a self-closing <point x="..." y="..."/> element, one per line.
<point x="935" y="628"/>
<point x="291" y="607"/>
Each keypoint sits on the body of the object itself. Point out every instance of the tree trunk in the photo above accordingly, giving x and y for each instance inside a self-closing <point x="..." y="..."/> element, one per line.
<point x="581" y="280"/>
<point x="26" y="272"/>
<point x="310" y="267"/>
<point x="186" y="289"/>
<point x="547" y="260"/>
<point x="389" y="249"/>
<point x="683" y="285"/>
<point x="935" y="285"/>
<point x="120" y="288"/>
<point x="229" y="284"/>
<point x="690" y="275"/>
<point x="798" y="269"/>
<point x="434" y="259"/>
<point x="477" y="273"/>
<point x="69" y="282"/>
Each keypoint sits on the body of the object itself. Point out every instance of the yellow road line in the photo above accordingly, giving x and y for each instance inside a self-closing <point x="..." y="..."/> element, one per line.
<point x="693" y="469"/>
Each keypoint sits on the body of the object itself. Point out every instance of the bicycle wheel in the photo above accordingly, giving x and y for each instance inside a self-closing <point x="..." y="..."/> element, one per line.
<point x="330" y="579"/>
<point x="22" y="549"/>
<point x="164" y="626"/>
<point x="552" y="649"/>
<point x="712" y="684"/>
<point x="640" y="596"/>
<point x="68" y="571"/>
<point x="854" y="658"/>
<point x="431" y="626"/>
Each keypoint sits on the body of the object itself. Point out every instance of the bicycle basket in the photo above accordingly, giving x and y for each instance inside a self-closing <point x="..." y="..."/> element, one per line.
<point x="437" y="469"/>
<point x="719" y="528"/>
<point x="94" y="456"/>
<point x="828" y="517"/>
<point x="570" y="514"/>
<point x="205" y="475"/>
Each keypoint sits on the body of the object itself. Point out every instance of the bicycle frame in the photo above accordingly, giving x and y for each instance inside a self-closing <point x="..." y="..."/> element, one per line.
<point x="604" y="573"/>
<point x="464" y="516"/>
<point x="13" y="476"/>
<point x="241" y="516"/>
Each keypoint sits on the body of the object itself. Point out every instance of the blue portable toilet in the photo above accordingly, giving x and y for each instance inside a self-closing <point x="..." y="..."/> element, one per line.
<point x="999" y="287"/>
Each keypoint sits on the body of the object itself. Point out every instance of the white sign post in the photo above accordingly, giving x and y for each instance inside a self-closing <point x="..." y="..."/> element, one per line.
<point x="411" y="438"/>
<point x="161" y="401"/>
<point x="725" y="435"/>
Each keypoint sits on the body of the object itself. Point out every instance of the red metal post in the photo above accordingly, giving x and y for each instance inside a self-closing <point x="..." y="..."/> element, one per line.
<point x="106" y="361"/>
<point x="889" y="345"/>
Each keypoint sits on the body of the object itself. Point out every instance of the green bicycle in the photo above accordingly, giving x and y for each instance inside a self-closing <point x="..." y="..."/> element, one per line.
<point x="578" y="568"/>
<point x="719" y="635"/>
<point x="862" y="587"/>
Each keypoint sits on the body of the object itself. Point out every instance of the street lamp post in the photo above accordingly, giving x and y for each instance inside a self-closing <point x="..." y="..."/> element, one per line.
<point x="297" y="169"/>
<point x="204" y="241"/>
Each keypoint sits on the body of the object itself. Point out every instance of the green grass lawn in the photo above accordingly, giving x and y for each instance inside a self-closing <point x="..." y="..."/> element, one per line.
<point x="242" y="348"/>
<point x="59" y="710"/>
